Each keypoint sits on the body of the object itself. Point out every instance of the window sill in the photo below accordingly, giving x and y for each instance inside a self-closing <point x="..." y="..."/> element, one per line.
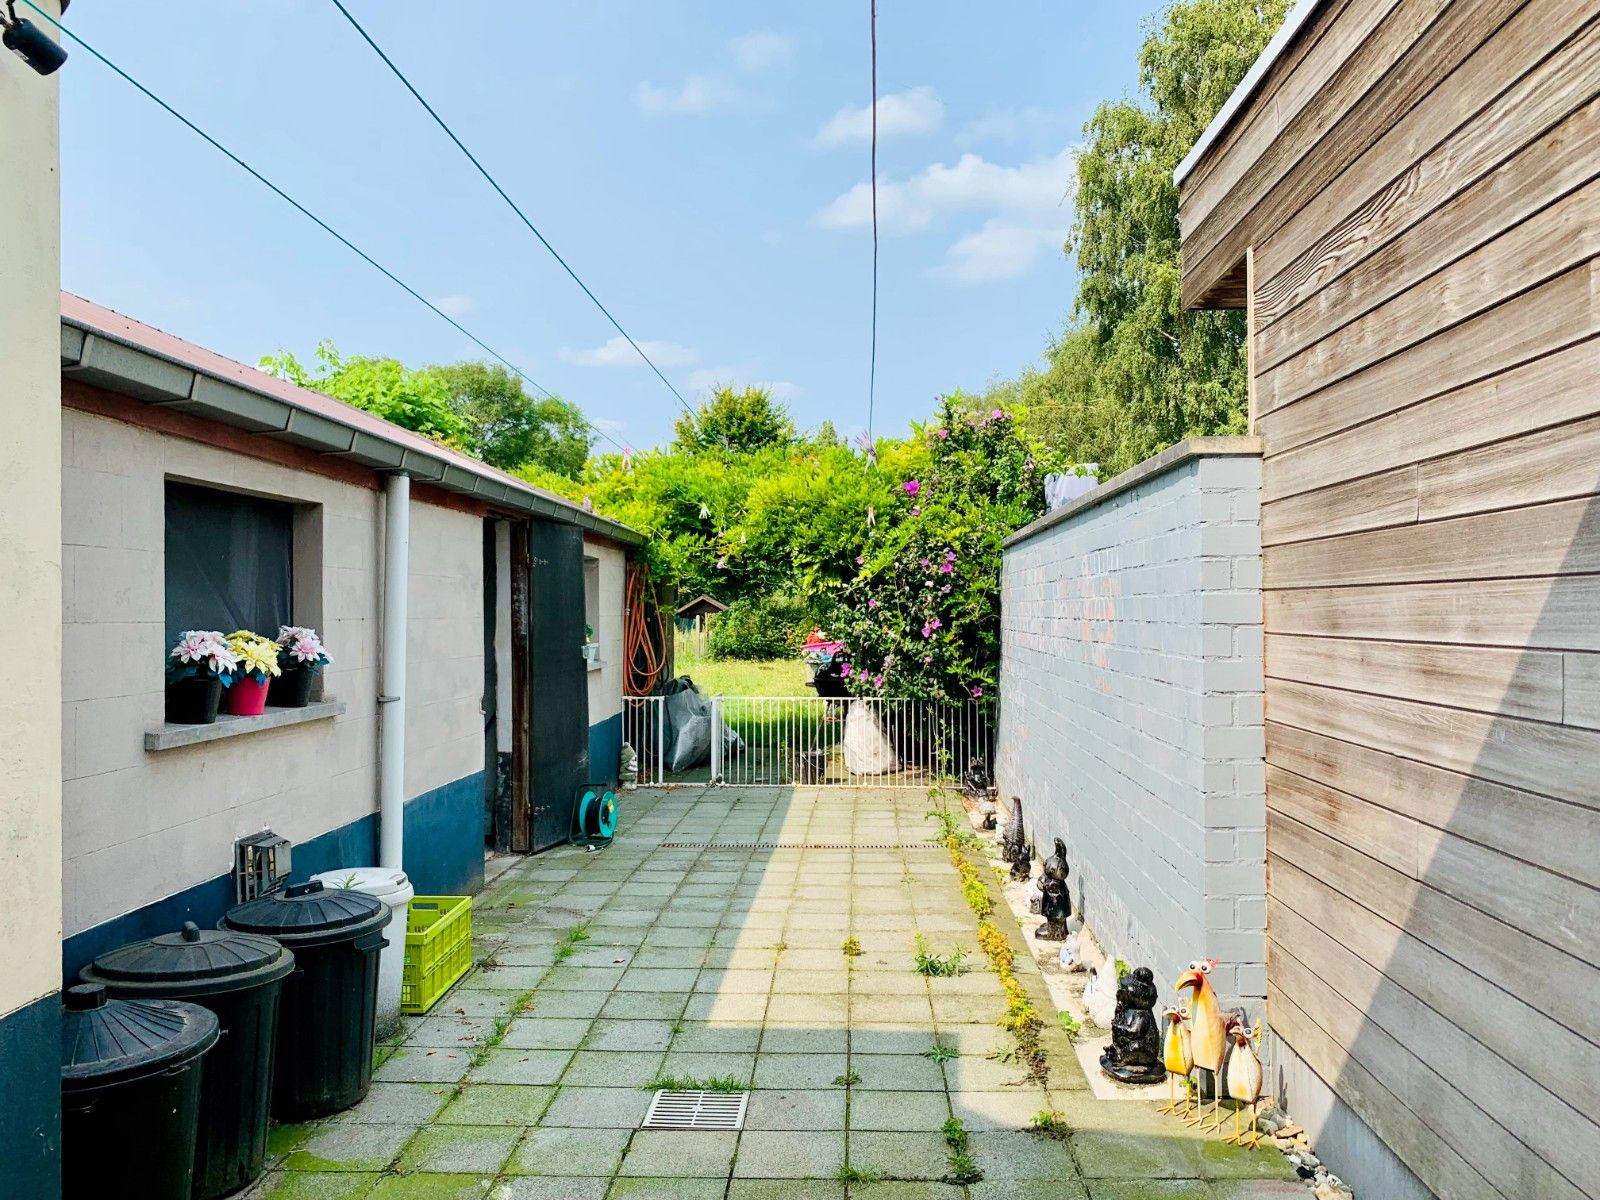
<point x="173" y="737"/>
<point x="593" y="664"/>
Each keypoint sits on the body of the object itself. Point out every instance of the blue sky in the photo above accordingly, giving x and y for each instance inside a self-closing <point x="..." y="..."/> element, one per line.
<point x="702" y="166"/>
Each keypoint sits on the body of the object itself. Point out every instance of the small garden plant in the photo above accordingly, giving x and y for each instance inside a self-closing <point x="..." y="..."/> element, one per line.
<point x="941" y="1053"/>
<point x="569" y="942"/>
<point x="1049" y="1123"/>
<point x="849" y="1079"/>
<point x="851" y="947"/>
<point x="202" y="654"/>
<point x="299" y="646"/>
<point x="1070" y="1024"/>
<point x="688" y="1083"/>
<point x="936" y="965"/>
<point x="963" y="1166"/>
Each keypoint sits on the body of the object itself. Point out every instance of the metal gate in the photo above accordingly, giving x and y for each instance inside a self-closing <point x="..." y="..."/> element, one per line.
<point x="809" y="741"/>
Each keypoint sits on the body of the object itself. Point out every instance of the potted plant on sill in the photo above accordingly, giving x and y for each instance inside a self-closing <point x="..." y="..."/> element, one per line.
<point x="258" y="667"/>
<point x="591" y="648"/>
<point x="301" y="657"/>
<point x="199" y="667"/>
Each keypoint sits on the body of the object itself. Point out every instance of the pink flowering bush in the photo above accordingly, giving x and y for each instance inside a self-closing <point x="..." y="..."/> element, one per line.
<point x="921" y="617"/>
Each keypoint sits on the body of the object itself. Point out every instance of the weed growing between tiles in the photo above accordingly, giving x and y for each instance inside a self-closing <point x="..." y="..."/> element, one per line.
<point x="963" y="1166"/>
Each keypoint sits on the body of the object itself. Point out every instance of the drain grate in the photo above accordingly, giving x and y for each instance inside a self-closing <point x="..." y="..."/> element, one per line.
<point x="690" y="1109"/>
<point x="930" y="846"/>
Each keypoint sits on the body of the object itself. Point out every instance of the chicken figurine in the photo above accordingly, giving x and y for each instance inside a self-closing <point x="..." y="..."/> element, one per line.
<point x="1177" y="1057"/>
<point x="1207" y="1040"/>
<point x="1242" y="1079"/>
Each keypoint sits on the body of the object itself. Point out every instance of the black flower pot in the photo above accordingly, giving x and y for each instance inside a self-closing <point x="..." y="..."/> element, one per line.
<point x="292" y="689"/>
<point x="193" y="701"/>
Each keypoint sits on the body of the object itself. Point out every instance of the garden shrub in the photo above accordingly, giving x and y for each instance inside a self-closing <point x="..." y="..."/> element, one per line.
<point x="761" y="627"/>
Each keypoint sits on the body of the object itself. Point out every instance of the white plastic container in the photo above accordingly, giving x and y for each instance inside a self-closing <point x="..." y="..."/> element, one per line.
<point x="395" y="890"/>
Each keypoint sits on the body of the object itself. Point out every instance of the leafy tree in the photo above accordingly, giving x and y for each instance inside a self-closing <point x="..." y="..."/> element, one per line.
<point x="385" y="387"/>
<point x="506" y="427"/>
<point x="735" y="422"/>
<point x="1133" y="371"/>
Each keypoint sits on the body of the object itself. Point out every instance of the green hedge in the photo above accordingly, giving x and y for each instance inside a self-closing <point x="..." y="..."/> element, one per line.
<point x="761" y="627"/>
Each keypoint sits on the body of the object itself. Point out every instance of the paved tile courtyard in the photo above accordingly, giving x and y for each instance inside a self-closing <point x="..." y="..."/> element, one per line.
<point x="694" y="949"/>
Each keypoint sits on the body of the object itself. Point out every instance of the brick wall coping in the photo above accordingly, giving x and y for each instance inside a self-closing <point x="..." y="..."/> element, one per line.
<point x="1172" y="456"/>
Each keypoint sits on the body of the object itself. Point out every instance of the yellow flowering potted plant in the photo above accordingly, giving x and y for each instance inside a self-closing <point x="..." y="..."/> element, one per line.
<point x="258" y="667"/>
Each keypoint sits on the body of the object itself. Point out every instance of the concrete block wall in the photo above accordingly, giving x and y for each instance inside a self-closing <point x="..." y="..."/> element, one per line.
<point x="1131" y="708"/>
<point x="605" y="684"/>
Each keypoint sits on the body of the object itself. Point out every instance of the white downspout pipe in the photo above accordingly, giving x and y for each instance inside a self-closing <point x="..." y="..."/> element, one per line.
<point x="392" y="673"/>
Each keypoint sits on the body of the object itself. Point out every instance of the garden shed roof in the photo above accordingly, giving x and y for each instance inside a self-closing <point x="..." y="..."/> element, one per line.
<point x="701" y="605"/>
<point x="111" y="351"/>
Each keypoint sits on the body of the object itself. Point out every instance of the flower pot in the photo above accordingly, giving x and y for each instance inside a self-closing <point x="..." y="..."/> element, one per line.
<point x="193" y="701"/>
<point x="292" y="689"/>
<point x="248" y="695"/>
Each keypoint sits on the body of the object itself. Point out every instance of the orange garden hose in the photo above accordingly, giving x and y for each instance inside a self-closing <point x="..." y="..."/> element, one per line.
<point x="646" y="656"/>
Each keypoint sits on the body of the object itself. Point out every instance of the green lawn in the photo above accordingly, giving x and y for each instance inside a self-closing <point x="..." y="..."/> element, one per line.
<point x="736" y="677"/>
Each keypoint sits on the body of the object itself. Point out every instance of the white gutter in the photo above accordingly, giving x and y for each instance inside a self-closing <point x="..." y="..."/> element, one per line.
<point x="392" y="673"/>
<point x="1298" y="16"/>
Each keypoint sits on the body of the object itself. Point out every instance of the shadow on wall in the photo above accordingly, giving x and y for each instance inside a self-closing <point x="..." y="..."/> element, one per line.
<point x="1434" y="872"/>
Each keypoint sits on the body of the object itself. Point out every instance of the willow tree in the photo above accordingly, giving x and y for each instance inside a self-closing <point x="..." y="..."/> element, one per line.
<point x="1133" y="371"/>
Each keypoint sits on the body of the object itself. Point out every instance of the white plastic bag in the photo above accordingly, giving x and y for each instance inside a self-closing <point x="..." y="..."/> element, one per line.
<point x="866" y="750"/>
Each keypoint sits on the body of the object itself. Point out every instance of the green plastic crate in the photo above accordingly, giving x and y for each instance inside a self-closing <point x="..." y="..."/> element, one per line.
<point x="438" y="949"/>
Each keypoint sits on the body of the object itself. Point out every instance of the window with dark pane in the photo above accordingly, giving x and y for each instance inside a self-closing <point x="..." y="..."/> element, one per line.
<point x="230" y="561"/>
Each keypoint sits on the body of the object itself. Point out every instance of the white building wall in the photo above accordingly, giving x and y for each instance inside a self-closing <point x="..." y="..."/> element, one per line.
<point x="605" y="684"/>
<point x="140" y="826"/>
<point x="444" y="648"/>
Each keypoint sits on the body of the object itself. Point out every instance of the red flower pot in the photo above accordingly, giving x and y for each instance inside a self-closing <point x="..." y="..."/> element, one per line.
<point x="248" y="695"/>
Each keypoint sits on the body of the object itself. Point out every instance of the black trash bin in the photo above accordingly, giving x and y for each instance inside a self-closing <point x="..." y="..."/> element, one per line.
<point x="130" y="1094"/>
<point x="239" y="977"/>
<point x="329" y="1009"/>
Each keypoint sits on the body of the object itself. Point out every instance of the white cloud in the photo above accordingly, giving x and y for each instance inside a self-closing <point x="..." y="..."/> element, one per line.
<point x="698" y="95"/>
<point x="762" y="49"/>
<point x="1002" y="249"/>
<point x="900" y="114"/>
<point x="455" y="306"/>
<point x="1027" y="209"/>
<point x="617" y="353"/>
<point x="1014" y="125"/>
<point x="707" y="379"/>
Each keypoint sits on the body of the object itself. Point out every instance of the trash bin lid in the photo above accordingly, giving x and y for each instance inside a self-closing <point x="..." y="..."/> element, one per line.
<point x="310" y="914"/>
<point x="107" y="1041"/>
<point x="382" y="882"/>
<point x="191" y="962"/>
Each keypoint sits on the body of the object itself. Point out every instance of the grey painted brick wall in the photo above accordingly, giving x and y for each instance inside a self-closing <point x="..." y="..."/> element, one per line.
<point x="1131" y="708"/>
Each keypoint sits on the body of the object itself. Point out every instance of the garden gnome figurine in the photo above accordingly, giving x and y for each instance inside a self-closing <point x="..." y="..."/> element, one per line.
<point x="1206" y="1027"/>
<point x="1016" y="850"/>
<point x="1134" y="1055"/>
<point x="1176" y="1057"/>
<point x="1055" y="902"/>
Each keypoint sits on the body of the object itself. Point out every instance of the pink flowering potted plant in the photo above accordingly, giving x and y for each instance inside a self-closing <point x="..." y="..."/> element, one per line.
<point x="199" y="667"/>
<point x="258" y="667"/>
<point x="301" y="657"/>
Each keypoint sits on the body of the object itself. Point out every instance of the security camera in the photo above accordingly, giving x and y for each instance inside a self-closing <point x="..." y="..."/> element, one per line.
<point x="32" y="44"/>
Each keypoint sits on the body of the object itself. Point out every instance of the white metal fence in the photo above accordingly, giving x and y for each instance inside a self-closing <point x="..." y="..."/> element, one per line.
<point x="812" y="741"/>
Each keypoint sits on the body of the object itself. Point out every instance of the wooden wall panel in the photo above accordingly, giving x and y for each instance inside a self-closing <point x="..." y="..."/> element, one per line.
<point x="1422" y="237"/>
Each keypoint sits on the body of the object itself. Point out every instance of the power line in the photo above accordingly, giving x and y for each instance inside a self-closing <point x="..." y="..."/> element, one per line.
<point x="872" y="369"/>
<point x="495" y="184"/>
<point x="311" y="216"/>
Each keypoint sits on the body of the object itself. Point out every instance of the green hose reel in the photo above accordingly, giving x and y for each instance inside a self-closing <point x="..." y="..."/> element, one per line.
<point x="594" y="816"/>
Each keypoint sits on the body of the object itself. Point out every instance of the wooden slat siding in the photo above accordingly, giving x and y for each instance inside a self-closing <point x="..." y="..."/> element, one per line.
<point x="1450" y="1175"/>
<point x="1552" y="834"/>
<point x="1480" y="414"/>
<point x="1523" y="896"/>
<point x="1532" y="325"/>
<point x="1551" y="614"/>
<point x="1542" y="467"/>
<point x="1562" y="538"/>
<point x="1456" y="1084"/>
<point x="1341" y="59"/>
<point x="1304" y="350"/>
<point x="1582" y="676"/>
<point x="1372" y="92"/>
<point x="1562" y="463"/>
<point x="1507" y="189"/>
<point x="1518" y="683"/>
<point x="1498" y="1017"/>
<point x="1552" y="760"/>
<point x="1551" y="242"/>
<point x="1557" y="984"/>
<point x="1430" y="90"/>
<point x="1375" y="502"/>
